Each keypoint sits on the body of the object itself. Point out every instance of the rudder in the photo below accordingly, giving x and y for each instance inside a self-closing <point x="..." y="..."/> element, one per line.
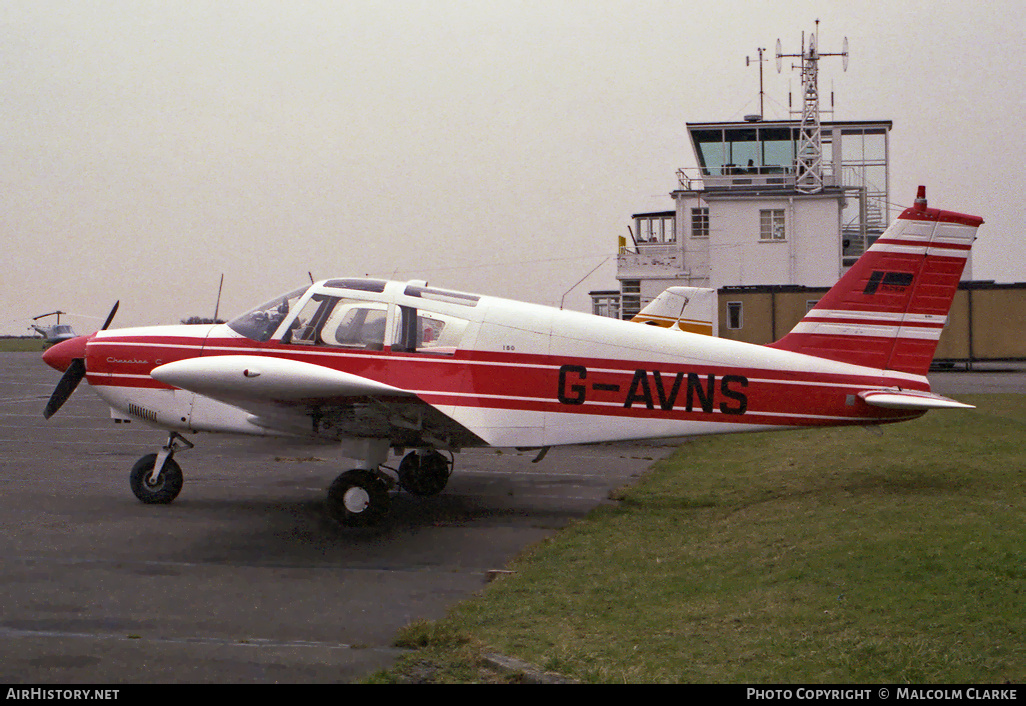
<point x="889" y="309"/>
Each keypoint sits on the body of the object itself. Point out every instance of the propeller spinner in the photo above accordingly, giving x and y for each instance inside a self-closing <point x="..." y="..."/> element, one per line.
<point x="69" y="356"/>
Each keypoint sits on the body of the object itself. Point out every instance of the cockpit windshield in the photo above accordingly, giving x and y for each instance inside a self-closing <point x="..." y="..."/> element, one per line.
<point x="260" y="323"/>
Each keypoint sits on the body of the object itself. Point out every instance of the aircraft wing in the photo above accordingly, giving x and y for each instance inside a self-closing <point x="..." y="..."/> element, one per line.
<point x="910" y="399"/>
<point x="238" y="378"/>
<point x="303" y="398"/>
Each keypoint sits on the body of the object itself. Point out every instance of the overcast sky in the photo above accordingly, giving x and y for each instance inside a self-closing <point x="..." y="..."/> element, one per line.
<point x="497" y="147"/>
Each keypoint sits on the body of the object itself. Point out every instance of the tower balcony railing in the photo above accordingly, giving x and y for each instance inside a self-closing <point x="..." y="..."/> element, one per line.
<point x="731" y="177"/>
<point x="650" y="260"/>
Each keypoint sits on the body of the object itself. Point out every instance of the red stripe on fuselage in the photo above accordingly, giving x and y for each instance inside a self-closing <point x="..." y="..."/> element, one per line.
<point x="544" y="383"/>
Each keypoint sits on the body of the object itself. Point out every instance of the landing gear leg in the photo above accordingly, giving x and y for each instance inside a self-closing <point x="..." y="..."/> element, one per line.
<point x="359" y="497"/>
<point x="156" y="479"/>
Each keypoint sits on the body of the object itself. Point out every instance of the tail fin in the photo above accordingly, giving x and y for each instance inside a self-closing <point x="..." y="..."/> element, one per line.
<point x="669" y="308"/>
<point x="889" y="309"/>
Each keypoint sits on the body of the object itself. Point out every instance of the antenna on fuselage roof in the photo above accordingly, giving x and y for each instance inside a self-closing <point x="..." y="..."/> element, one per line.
<point x="217" y="306"/>
<point x="310" y="275"/>
<point x="582" y="279"/>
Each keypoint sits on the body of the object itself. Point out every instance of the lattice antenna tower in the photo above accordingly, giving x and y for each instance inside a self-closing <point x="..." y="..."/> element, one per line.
<point x="809" y="158"/>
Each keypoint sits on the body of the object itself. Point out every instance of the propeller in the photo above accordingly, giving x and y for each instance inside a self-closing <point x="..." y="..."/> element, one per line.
<point x="69" y="356"/>
<point x="110" y="316"/>
<point x="69" y="381"/>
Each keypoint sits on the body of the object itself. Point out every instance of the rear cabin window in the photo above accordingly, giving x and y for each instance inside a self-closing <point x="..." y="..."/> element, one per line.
<point x="427" y="332"/>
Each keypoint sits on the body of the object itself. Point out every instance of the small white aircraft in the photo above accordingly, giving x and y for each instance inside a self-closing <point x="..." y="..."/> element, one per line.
<point x="669" y="308"/>
<point x="426" y="372"/>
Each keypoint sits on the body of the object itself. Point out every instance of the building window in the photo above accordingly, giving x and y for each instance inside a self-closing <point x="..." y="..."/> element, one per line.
<point x="630" y="298"/>
<point x="659" y="228"/>
<point x="735" y="315"/>
<point x="700" y="223"/>
<point x="771" y="226"/>
<point x="810" y="304"/>
<point x="606" y="304"/>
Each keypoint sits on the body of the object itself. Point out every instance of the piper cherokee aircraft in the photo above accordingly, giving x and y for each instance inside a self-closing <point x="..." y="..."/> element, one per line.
<point x="379" y="365"/>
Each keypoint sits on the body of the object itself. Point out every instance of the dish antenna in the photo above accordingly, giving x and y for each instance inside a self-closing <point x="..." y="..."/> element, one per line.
<point x="811" y="53"/>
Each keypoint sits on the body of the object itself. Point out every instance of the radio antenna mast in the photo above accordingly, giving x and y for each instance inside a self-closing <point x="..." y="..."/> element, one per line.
<point x="809" y="158"/>
<point x="762" y="93"/>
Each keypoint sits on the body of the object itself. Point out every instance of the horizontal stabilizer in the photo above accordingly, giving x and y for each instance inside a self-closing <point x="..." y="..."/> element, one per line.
<point x="266" y="379"/>
<point x="910" y="399"/>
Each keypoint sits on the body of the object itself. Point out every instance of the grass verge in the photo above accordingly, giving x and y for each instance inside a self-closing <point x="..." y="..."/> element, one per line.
<point x="826" y="555"/>
<point x="18" y="345"/>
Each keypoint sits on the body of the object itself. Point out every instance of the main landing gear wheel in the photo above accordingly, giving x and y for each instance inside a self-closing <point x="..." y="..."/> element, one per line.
<point x="358" y="498"/>
<point x="424" y="474"/>
<point x="161" y="491"/>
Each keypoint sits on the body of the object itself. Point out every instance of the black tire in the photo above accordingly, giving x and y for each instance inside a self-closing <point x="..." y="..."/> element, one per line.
<point x="358" y="498"/>
<point x="424" y="475"/>
<point x="167" y="487"/>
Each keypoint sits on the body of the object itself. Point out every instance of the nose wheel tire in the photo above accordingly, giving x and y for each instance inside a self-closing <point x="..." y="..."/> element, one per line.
<point x="358" y="498"/>
<point x="166" y="487"/>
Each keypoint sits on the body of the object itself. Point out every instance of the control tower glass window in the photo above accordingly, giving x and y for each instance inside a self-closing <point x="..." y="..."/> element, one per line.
<point x="745" y="150"/>
<point x="778" y="149"/>
<point x="711" y="150"/>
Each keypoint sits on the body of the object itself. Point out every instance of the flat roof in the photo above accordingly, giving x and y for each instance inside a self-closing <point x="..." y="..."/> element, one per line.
<point x="794" y="123"/>
<point x="654" y="214"/>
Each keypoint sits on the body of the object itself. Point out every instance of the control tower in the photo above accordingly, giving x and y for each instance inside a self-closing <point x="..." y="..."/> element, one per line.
<point x="771" y="203"/>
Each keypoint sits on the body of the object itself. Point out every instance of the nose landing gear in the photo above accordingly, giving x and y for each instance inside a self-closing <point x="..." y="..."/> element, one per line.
<point x="156" y="479"/>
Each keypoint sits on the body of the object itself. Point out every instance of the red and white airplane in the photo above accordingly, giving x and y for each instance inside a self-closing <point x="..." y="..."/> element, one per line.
<point x="380" y="366"/>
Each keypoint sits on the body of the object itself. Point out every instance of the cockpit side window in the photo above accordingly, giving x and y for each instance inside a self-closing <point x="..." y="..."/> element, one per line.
<point x="259" y="324"/>
<point x="340" y="322"/>
<point x="308" y="323"/>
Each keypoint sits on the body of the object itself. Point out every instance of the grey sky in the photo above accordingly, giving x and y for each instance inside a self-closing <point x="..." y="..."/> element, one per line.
<point x="497" y="147"/>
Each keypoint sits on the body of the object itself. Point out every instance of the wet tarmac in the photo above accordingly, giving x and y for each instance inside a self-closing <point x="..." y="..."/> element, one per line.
<point x="243" y="578"/>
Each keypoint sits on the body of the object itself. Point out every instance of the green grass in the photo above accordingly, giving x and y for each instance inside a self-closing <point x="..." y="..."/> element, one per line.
<point x="831" y="555"/>
<point x="14" y="345"/>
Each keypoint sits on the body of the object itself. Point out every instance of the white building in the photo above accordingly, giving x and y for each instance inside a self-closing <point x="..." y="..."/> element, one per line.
<point x="742" y="217"/>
